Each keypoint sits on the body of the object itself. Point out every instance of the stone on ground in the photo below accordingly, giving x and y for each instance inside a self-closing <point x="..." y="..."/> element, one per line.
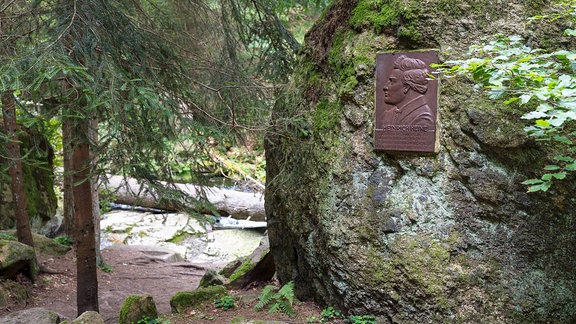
<point x="31" y="316"/>
<point x="89" y="317"/>
<point x="136" y="308"/>
<point x="16" y="257"/>
<point x="186" y="299"/>
<point x="211" y="278"/>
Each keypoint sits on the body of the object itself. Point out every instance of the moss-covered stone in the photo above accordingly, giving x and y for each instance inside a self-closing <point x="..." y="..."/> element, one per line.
<point x="231" y="267"/>
<point x="136" y="308"/>
<point x="186" y="299"/>
<point x="211" y="278"/>
<point x="16" y="257"/>
<point x="400" y="15"/>
<point x="245" y="267"/>
<point x="42" y="244"/>
<point x="447" y="237"/>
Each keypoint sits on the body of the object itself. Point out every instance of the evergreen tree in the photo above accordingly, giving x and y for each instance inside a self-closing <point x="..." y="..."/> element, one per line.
<point x="153" y="72"/>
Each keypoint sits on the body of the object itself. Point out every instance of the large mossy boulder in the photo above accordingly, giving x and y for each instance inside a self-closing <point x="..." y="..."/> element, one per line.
<point x="38" y="175"/>
<point x="445" y="237"/>
<point x="16" y="257"/>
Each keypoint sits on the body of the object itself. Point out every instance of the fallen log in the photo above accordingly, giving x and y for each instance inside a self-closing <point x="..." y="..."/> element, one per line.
<point x="238" y="205"/>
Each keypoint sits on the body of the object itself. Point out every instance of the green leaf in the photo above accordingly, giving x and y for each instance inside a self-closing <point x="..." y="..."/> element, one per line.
<point x="570" y="167"/>
<point x="562" y="139"/>
<point x="541" y="187"/>
<point x="511" y="100"/>
<point x="547" y="177"/>
<point x="542" y="123"/>
<point x="525" y="98"/>
<point x="564" y="158"/>
<point x="559" y="175"/>
<point x="551" y="167"/>
<point x="534" y="115"/>
<point x="532" y="182"/>
<point x="567" y="104"/>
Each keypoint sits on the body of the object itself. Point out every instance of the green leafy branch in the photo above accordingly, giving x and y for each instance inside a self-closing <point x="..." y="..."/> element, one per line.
<point x="542" y="83"/>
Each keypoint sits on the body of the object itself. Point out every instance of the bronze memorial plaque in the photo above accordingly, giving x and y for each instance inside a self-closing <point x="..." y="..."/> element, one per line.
<point x="406" y="102"/>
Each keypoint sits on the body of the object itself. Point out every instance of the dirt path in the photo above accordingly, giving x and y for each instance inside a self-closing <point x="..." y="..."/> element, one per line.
<point x="133" y="273"/>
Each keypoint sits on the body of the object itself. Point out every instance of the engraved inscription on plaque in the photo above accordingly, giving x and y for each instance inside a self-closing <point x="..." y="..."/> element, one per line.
<point x="406" y="102"/>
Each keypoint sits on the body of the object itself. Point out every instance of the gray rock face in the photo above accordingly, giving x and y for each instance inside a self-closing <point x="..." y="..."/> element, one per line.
<point x="451" y="236"/>
<point x="31" y="315"/>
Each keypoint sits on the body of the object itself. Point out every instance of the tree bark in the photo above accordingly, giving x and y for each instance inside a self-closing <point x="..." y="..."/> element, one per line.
<point x="23" y="229"/>
<point x="84" y="239"/>
<point x="93" y="135"/>
<point x="68" y="182"/>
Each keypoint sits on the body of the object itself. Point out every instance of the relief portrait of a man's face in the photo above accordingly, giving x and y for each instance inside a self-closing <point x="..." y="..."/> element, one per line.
<point x="394" y="91"/>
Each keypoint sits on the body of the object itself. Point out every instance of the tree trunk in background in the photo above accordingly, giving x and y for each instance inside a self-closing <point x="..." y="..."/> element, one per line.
<point x="93" y="135"/>
<point x="84" y="240"/>
<point x="68" y="183"/>
<point x="19" y="195"/>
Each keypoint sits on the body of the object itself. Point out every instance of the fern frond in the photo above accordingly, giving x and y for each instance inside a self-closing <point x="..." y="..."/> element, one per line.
<point x="277" y="302"/>
<point x="287" y="291"/>
<point x="274" y="308"/>
<point x="285" y="307"/>
<point x="266" y="296"/>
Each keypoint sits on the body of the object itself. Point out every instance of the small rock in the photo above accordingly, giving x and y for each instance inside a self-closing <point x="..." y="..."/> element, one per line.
<point x="136" y="308"/>
<point x="211" y="278"/>
<point x="89" y="317"/>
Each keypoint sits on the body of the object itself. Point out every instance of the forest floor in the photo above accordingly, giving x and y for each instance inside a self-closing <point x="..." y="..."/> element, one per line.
<point x="138" y="273"/>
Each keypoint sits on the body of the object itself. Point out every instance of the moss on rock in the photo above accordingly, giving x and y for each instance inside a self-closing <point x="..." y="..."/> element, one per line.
<point x="186" y="299"/>
<point x="135" y="308"/>
<point x="246" y="266"/>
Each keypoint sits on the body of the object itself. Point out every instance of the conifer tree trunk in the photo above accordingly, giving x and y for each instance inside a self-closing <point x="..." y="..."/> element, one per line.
<point x="23" y="230"/>
<point x="84" y="239"/>
<point x="68" y="183"/>
<point x="81" y="163"/>
<point x="93" y="134"/>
